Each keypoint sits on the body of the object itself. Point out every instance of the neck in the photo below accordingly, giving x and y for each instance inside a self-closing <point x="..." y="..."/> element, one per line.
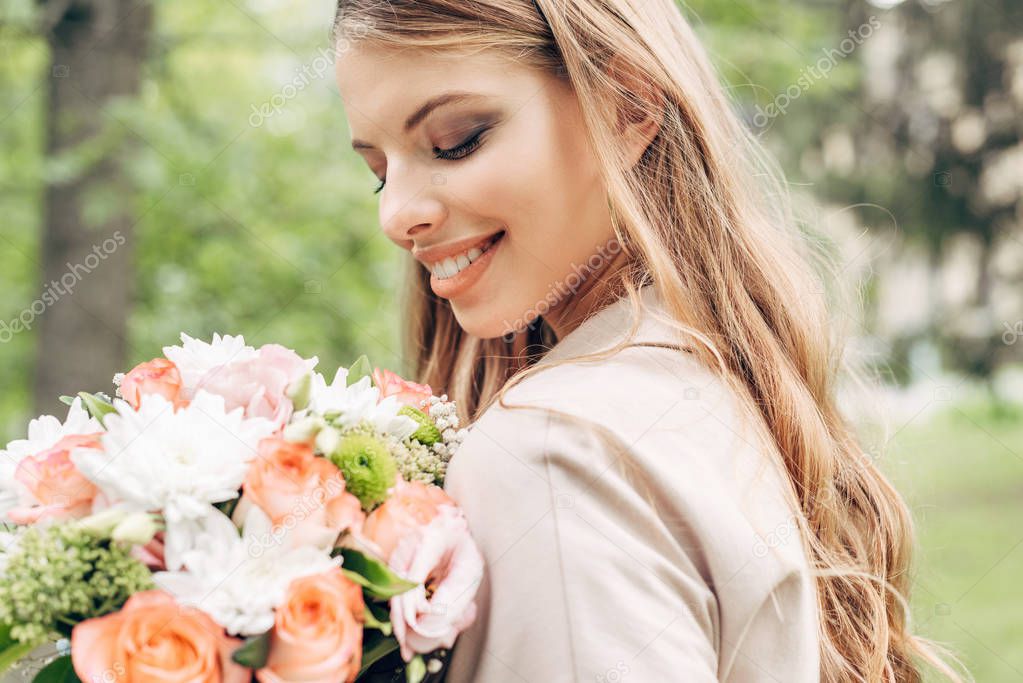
<point x="599" y="289"/>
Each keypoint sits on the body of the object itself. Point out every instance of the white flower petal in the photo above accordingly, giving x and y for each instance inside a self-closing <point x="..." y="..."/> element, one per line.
<point x="358" y="403"/>
<point x="236" y="582"/>
<point x="195" y="358"/>
<point x="179" y="461"/>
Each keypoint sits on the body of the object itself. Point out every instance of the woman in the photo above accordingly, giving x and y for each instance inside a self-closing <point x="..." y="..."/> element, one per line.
<point x="658" y="475"/>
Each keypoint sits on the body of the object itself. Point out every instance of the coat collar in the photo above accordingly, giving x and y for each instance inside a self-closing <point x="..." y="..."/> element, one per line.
<point x="608" y="326"/>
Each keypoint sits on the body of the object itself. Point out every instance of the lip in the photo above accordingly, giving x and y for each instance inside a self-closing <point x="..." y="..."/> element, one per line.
<point x="451" y="287"/>
<point x="430" y="255"/>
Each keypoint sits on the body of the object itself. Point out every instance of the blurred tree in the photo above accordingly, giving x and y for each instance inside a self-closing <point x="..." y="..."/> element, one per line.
<point x="97" y="48"/>
<point x="940" y="143"/>
<point x="251" y="214"/>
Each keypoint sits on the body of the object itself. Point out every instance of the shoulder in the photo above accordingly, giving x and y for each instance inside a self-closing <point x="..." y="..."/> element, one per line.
<point x="659" y="410"/>
<point x="652" y="419"/>
<point x="650" y="451"/>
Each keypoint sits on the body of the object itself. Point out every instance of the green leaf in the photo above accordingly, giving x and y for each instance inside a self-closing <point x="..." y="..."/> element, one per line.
<point x="372" y="574"/>
<point x="11" y="650"/>
<point x="67" y="399"/>
<point x="12" y="653"/>
<point x="374" y="650"/>
<point x="377" y="618"/>
<point x="59" y="670"/>
<point x="359" y="369"/>
<point x="96" y="406"/>
<point x="253" y="652"/>
<point x="228" y="506"/>
<point x="5" y="637"/>
<point x="416" y="670"/>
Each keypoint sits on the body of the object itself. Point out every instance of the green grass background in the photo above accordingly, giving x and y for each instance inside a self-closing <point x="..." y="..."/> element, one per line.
<point x="961" y="470"/>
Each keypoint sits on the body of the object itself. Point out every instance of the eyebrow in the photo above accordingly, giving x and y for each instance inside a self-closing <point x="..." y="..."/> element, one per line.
<point x="420" y="114"/>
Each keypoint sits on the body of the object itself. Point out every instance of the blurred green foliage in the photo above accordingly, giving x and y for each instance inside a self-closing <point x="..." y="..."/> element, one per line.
<point x="267" y="230"/>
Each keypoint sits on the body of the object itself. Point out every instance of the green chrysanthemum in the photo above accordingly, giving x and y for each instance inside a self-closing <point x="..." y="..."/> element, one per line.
<point x="58" y="576"/>
<point x="367" y="466"/>
<point x="427" y="433"/>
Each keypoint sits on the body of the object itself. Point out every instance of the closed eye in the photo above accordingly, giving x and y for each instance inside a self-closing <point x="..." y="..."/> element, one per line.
<point x="461" y="151"/>
<point x="454" y="154"/>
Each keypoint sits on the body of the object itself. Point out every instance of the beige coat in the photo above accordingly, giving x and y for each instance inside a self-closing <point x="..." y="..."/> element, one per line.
<point x="670" y="554"/>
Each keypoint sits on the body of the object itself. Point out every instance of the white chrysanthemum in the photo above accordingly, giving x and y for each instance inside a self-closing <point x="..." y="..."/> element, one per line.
<point x="239" y="581"/>
<point x="359" y="403"/>
<point x="43" y="432"/>
<point x="178" y="462"/>
<point x="194" y="358"/>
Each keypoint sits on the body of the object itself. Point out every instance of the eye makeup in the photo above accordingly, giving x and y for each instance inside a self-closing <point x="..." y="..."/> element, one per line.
<point x="478" y="126"/>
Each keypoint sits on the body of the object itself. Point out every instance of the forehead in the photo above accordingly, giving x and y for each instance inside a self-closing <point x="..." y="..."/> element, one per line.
<point x="381" y="87"/>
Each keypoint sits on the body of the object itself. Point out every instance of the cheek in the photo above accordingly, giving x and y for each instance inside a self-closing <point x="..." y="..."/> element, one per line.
<point x="538" y="185"/>
<point x="529" y="189"/>
<point x="525" y="197"/>
<point x="508" y="196"/>
<point x="559" y="208"/>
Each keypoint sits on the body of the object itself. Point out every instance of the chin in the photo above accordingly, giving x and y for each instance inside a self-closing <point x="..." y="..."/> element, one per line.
<point x="482" y="322"/>
<point x="482" y="327"/>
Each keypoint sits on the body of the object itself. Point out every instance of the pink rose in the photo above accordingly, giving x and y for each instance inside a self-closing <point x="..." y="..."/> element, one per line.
<point x="157" y="376"/>
<point x="258" y="384"/>
<point x="59" y="490"/>
<point x="443" y="558"/>
<point x="408" y="393"/>
<point x="153" y="638"/>
<point x="411" y="505"/>
<point x="300" y="492"/>
<point x="151" y="554"/>
<point x="317" y="634"/>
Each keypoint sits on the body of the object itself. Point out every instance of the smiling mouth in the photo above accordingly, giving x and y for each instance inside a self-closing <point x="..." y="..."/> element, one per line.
<point x="453" y="265"/>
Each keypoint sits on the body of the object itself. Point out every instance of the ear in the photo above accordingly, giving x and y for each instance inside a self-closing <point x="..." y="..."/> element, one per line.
<point x="635" y="124"/>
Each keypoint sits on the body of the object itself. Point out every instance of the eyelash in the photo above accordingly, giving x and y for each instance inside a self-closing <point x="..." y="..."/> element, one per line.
<point x="454" y="154"/>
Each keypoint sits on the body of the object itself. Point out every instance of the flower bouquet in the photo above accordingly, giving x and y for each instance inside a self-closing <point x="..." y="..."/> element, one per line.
<point x="231" y="515"/>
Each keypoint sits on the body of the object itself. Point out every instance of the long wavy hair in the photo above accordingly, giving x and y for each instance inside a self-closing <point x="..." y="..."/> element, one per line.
<point x="706" y="216"/>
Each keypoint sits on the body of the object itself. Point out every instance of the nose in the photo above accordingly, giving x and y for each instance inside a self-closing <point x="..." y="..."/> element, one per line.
<point x="410" y="209"/>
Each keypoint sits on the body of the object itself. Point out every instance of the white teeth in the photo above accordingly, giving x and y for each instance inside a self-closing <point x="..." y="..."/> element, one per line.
<point x="452" y="265"/>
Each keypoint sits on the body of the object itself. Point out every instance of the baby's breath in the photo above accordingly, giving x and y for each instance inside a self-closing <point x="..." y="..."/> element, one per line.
<point x="61" y="575"/>
<point x="429" y="463"/>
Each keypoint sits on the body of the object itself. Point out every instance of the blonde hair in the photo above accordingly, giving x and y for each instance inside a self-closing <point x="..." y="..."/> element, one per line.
<point x="704" y="215"/>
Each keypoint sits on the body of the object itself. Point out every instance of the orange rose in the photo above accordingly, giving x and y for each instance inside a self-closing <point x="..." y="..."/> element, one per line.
<point x="317" y="635"/>
<point x="408" y="393"/>
<point x="60" y="490"/>
<point x="413" y="504"/>
<point x="158" y="376"/>
<point x="153" y="639"/>
<point x="302" y="494"/>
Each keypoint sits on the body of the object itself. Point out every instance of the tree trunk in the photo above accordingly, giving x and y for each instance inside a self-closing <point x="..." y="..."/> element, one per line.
<point x="97" y="51"/>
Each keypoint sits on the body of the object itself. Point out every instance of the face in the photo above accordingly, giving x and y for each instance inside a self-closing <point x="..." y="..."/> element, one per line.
<point x="485" y="175"/>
